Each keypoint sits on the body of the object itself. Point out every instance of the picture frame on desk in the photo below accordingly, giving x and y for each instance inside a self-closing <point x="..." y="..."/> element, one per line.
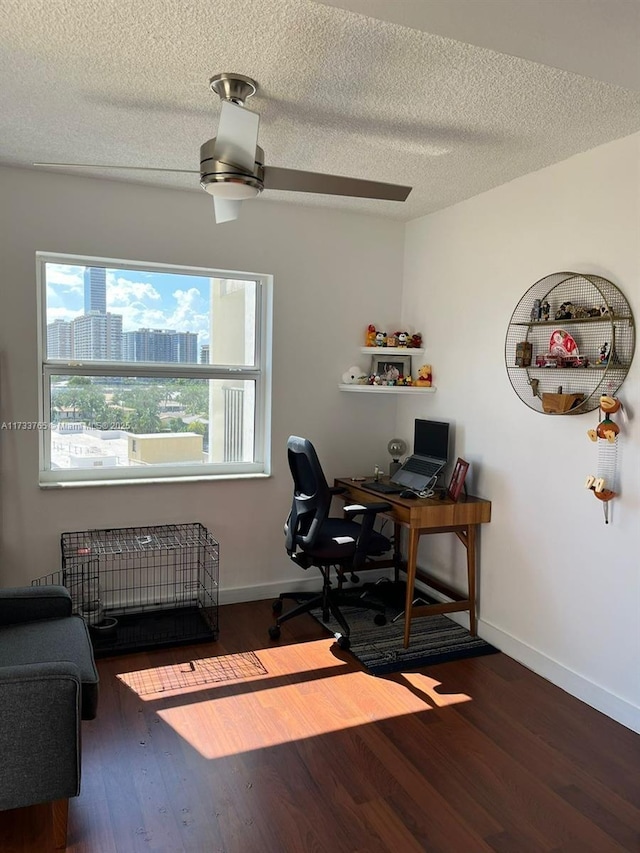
<point x="457" y="479"/>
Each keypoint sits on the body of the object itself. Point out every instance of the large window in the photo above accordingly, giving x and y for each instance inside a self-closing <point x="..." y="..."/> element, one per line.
<point x="151" y="371"/>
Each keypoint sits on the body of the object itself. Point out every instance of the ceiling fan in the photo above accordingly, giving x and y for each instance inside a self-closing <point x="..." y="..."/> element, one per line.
<point x="232" y="163"/>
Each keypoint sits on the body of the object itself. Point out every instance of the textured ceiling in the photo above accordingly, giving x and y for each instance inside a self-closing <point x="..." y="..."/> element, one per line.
<point x="123" y="82"/>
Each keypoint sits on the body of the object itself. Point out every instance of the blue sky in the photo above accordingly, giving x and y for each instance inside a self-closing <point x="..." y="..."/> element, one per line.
<point x="144" y="299"/>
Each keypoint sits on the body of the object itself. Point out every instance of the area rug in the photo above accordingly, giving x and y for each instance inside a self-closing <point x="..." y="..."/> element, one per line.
<point x="434" y="639"/>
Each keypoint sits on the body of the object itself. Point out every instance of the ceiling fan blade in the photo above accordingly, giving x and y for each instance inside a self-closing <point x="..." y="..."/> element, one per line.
<point x="315" y="182"/>
<point x="237" y="136"/>
<point x="226" y="209"/>
<point x="111" y="166"/>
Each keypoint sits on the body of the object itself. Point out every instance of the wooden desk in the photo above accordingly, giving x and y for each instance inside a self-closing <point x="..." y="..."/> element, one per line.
<point x="423" y="516"/>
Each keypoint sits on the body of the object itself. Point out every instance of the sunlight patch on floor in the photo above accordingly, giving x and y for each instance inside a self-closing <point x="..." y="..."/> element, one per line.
<point x="257" y="715"/>
<point x="193" y="673"/>
<point x="210" y="672"/>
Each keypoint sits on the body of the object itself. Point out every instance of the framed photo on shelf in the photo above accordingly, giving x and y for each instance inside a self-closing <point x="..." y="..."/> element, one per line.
<point x="457" y="479"/>
<point x="390" y="368"/>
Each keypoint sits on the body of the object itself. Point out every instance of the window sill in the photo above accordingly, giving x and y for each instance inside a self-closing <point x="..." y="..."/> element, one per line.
<point x="155" y="481"/>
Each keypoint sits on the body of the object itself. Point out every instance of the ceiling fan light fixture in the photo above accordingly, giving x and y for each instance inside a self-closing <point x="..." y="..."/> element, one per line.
<point x="231" y="189"/>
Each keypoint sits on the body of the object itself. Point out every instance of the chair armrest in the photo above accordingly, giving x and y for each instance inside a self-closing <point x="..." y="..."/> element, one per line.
<point x="365" y="509"/>
<point x="369" y="514"/>
<point x="29" y="603"/>
<point x="39" y="733"/>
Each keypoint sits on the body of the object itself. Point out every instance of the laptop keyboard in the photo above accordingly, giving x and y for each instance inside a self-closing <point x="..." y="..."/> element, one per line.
<point x="421" y="466"/>
<point x="384" y="488"/>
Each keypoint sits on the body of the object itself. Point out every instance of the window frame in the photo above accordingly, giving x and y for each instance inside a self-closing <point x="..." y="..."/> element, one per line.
<point x="259" y="372"/>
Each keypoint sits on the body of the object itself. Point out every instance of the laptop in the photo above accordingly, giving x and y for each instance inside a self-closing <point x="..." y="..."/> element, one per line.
<point x="429" y="457"/>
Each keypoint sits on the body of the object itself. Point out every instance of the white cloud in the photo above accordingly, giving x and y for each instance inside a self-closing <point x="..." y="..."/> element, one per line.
<point x="63" y="275"/>
<point x="121" y="292"/>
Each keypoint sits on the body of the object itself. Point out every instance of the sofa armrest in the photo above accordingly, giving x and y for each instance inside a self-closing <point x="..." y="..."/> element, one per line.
<point x="29" y="603"/>
<point x="39" y="733"/>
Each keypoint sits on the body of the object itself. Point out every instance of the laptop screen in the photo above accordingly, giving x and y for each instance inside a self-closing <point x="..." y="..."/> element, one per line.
<point x="431" y="438"/>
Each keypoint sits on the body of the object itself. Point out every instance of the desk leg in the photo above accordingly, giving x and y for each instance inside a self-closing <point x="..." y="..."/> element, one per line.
<point x="412" y="559"/>
<point x="471" y="578"/>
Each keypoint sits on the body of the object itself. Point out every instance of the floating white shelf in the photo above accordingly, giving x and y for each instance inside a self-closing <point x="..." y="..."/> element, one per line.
<point x="387" y="389"/>
<point x="381" y="351"/>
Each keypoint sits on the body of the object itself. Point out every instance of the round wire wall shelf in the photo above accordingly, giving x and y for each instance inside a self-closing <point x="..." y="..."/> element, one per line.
<point x="570" y="339"/>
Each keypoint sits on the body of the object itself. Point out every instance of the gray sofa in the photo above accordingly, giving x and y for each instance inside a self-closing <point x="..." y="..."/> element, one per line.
<point x="48" y="683"/>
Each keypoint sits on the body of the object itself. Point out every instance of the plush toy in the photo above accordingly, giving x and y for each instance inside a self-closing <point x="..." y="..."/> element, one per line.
<point x="370" y="337"/>
<point x="352" y="376"/>
<point x="416" y="341"/>
<point x="403" y="338"/>
<point x="381" y="339"/>
<point x="424" y="376"/>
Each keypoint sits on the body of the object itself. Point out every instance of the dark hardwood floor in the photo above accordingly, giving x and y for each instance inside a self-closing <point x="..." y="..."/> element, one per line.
<point x="297" y="750"/>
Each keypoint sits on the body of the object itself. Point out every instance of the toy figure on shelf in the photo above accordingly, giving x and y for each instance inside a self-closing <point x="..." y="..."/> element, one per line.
<point x="603" y="358"/>
<point x="424" y="376"/>
<point x="370" y="336"/>
<point x="353" y="376"/>
<point x="416" y="340"/>
<point x="546" y="308"/>
<point x="381" y="339"/>
<point x="402" y="338"/>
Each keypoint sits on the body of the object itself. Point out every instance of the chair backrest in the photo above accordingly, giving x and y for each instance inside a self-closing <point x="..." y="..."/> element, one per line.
<point x="311" y="495"/>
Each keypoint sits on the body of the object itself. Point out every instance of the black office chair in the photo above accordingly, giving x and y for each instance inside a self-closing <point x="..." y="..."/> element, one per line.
<point x="313" y="538"/>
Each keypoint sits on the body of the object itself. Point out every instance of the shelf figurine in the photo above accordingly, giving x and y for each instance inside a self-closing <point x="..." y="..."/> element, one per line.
<point x="603" y="357"/>
<point x="370" y="336"/>
<point x="353" y="376"/>
<point x="424" y="376"/>
<point x="381" y="339"/>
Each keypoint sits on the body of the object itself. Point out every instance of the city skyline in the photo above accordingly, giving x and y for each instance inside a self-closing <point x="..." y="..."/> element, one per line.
<point x="144" y="300"/>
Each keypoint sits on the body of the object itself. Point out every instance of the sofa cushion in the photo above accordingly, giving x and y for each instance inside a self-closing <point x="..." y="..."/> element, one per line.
<point x="65" y="639"/>
<point x="25" y="603"/>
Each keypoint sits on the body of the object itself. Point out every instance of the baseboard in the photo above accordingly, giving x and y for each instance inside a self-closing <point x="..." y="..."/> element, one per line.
<point x="577" y="685"/>
<point x="592" y="694"/>
<point x="309" y="581"/>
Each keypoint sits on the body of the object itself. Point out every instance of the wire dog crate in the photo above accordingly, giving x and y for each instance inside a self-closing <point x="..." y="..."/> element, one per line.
<point x="142" y="587"/>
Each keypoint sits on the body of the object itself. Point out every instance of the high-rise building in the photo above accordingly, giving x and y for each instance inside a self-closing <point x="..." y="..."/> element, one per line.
<point x="185" y="347"/>
<point x="204" y="354"/>
<point x="60" y="339"/>
<point x="165" y="345"/>
<point x="98" y="336"/>
<point x="95" y="290"/>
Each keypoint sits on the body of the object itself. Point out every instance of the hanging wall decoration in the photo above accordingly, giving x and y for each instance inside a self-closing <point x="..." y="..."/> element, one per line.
<point x="604" y="483"/>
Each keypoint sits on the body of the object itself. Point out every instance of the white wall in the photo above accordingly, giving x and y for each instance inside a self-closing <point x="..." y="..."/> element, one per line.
<point x="334" y="273"/>
<point x="559" y="590"/>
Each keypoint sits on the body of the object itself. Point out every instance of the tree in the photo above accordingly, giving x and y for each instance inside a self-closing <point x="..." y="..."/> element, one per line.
<point x="144" y="401"/>
<point x="193" y="394"/>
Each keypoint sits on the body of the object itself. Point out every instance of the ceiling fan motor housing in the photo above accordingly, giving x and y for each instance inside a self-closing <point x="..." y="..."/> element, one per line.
<point x="215" y="172"/>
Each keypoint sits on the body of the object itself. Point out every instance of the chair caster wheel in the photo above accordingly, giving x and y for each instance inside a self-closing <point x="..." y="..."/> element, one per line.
<point x="380" y="619"/>
<point x="354" y="578"/>
<point x="343" y="642"/>
<point x="274" y="632"/>
<point x="276" y="606"/>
